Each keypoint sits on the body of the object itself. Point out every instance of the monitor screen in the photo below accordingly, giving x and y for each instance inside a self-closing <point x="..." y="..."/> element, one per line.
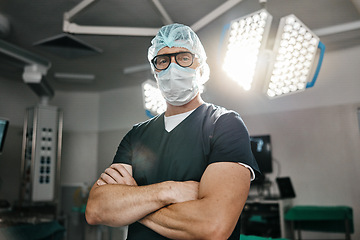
<point x="261" y="148"/>
<point x="3" y="128"/>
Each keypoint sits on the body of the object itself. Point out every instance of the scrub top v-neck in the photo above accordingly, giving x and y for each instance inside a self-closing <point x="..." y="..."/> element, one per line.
<point x="209" y="134"/>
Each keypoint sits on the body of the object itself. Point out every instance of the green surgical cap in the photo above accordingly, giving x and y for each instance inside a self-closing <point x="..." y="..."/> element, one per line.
<point x="179" y="35"/>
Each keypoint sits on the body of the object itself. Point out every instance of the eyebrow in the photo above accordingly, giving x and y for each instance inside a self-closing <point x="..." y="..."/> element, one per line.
<point x="174" y="53"/>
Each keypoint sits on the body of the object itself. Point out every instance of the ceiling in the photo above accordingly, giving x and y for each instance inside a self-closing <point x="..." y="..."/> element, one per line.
<point x="36" y="21"/>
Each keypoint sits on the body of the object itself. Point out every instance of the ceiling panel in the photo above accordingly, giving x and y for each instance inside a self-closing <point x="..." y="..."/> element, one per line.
<point x="36" y="20"/>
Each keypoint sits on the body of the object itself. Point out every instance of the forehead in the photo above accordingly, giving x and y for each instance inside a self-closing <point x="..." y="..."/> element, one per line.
<point x="167" y="50"/>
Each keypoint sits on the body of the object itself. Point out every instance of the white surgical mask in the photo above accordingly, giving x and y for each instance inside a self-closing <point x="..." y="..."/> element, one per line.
<point x="177" y="84"/>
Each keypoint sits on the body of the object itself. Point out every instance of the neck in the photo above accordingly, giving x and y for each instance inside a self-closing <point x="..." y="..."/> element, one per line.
<point x="193" y="104"/>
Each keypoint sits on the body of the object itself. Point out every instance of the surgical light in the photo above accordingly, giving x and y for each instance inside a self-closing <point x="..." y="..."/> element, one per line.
<point x="295" y="50"/>
<point x="154" y="103"/>
<point x="247" y="37"/>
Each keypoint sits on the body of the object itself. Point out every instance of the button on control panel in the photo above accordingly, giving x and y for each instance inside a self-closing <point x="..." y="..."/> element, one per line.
<point x="45" y="155"/>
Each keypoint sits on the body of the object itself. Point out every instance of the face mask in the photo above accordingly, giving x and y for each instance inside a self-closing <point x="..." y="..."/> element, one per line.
<point x="177" y="84"/>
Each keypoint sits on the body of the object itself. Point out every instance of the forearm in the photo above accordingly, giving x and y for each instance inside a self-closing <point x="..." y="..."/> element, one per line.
<point x="114" y="204"/>
<point x="222" y="195"/>
<point x="192" y="220"/>
<point x="116" y="200"/>
<point x="180" y="221"/>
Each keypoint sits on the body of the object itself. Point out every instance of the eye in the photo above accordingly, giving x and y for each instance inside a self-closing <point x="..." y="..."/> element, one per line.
<point x="162" y="60"/>
<point x="184" y="57"/>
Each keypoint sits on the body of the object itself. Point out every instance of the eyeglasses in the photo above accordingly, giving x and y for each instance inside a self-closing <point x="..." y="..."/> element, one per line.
<point x="162" y="62"/>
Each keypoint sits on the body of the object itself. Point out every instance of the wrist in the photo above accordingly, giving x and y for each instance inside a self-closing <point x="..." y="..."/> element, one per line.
<point x="166" y="193"/>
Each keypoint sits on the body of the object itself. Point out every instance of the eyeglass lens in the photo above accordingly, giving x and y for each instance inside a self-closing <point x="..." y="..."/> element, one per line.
<point x="184" y="59"/>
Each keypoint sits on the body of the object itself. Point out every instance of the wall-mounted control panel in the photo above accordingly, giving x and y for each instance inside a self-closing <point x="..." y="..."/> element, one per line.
<point x="40" y="157"/>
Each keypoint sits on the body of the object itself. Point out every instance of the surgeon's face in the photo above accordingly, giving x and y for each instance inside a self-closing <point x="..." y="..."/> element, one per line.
<point x="167" y="50"/>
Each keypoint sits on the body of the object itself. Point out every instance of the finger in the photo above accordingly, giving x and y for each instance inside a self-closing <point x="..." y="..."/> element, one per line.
<point x="108" y="179"/>
<point x="114" y="174"/>
<point x="100" y="182"/>
<point x="121" y="169"/>
<point x="126" y="176"/>
<point x="117" y="177"/>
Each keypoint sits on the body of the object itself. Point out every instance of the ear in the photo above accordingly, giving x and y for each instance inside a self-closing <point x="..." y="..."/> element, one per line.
<point x="204" y="71"/>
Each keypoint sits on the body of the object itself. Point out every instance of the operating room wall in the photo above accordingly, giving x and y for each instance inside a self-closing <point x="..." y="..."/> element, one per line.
<point x="119" y="110"/>
<point x="80" y="142"/>
<point x="14" y="99"/>
<point x="319" y="149"/>
<point x="80" y="136"/>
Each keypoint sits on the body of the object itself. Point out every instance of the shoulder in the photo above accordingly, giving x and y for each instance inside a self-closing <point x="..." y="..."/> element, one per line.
<point x="150" y="125"/>
<point x="145" y="124"/>
<point x="217" y="114"/>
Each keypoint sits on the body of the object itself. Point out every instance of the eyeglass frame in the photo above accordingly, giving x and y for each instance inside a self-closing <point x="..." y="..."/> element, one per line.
<point x="170" y="55"/>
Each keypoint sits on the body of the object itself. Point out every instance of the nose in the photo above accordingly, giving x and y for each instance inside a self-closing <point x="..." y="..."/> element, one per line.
<point x="172" y="59"/>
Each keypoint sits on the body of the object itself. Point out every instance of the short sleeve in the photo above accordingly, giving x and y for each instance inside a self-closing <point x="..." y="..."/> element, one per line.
<point x="123" y="153"/>
<point x="231" y="142"/>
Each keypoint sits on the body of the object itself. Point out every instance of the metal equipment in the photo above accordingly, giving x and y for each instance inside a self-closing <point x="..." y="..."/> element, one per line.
<point x="41" y="155"/>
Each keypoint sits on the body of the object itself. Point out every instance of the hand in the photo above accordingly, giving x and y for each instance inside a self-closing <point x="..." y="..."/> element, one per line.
<point x="116" y="174"/>
<point x="184" y="191"/>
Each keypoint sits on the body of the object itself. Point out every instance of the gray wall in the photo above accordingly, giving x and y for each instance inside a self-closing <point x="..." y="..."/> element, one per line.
<point x="319" y="149"/>
<point x="10" y="165"/>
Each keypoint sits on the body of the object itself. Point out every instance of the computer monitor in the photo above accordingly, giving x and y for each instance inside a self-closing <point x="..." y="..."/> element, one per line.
<point x="4" y="123"/>
<point x="285" y="187"/>
<point x="261" y="149"/>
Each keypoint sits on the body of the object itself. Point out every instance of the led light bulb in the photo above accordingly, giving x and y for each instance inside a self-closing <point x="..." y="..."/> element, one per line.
<point x="243" y="51"/>
<point x="295" y="48"/>
<point x="152" y="99"/>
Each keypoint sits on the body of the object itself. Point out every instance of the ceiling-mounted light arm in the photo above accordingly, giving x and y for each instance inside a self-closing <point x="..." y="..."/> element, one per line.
<point x="340" y="28"/>
<point x="161" y="11"/>
<point x="87" y="3"/>
<point x="321" y="46"/>
<point x="34" y="77"/>
<point x="214" y="14"/>
<point x="24" y="56"/>
<point x="33" y="73"/>
<point x="68" y="16"/>
<point x="70" y="27"/>
<point x="116" y="31"/>
<point x="35" y="68"/>
<point x="74" y="28"/>
<point x="263" y="3"/>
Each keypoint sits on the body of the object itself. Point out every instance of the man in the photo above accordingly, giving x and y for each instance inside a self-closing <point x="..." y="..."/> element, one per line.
<point x="184" y="174"/>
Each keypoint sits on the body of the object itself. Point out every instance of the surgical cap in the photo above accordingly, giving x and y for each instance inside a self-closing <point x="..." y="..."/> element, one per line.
<point x="179" y="35"/>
